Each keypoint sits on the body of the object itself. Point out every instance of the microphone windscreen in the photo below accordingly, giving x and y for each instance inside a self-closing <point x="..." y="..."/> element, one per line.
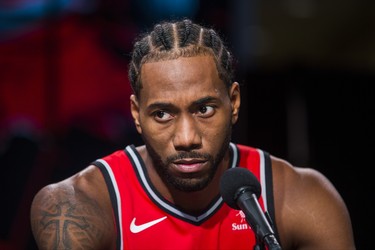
<point x="235" y="178"/>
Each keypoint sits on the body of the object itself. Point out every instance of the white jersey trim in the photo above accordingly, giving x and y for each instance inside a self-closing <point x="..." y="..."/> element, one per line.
<point x="263" y="178"/>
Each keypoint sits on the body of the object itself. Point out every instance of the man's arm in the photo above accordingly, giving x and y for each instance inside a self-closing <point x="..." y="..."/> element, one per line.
<point x="73" y="214"/>
<point x="310" y="213"/>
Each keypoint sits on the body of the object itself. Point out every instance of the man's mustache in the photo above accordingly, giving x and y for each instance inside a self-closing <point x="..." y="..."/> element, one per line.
<point x="188" y="155"/>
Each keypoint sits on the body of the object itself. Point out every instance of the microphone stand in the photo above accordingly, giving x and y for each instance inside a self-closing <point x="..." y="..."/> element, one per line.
<point x="262" y="229"/>
<point x="269" y="240"/>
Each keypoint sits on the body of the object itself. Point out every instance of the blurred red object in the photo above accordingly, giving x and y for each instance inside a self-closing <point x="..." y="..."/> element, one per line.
<point x="59" y="73"/>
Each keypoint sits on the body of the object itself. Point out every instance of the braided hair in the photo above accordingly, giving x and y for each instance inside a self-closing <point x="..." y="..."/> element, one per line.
<point x="171" y="40"/>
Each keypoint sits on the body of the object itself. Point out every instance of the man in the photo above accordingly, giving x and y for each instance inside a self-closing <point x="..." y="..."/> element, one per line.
<point x="165" y="194"/>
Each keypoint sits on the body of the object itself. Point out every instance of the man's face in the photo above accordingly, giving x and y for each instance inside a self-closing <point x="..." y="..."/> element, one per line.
<point x="185" y="115"/>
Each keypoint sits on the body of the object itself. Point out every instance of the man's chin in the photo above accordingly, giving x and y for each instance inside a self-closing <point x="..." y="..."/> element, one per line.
<point x="190" y="184"/>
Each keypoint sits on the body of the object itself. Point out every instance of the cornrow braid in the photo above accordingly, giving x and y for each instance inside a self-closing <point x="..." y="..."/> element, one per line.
<point x="184" y="31"/>
<point x="171" y="40"/>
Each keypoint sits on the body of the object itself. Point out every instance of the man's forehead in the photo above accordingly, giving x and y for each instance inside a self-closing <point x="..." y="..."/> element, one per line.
<point x="185" y="77"/>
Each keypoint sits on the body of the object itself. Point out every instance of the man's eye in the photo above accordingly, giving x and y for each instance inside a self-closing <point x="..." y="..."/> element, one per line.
<point x="161" y="115"/>
<point x="206" y="111"/>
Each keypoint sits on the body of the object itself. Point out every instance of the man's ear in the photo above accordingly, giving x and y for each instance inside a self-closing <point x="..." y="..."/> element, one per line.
<point x="134" y="108"/>
<point x="235" y="99"/>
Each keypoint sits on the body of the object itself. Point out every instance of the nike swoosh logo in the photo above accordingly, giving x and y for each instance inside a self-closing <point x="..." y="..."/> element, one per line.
<point x="139" y="228"/>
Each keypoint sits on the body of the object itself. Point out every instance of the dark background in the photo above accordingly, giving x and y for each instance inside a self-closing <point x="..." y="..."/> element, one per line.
<point x="306" y="70"/>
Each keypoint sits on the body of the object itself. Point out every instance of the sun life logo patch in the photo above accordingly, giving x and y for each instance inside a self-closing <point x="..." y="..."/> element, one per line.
<point x="242" y="225"/>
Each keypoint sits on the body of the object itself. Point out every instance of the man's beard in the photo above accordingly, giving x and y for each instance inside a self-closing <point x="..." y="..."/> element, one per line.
<point x="190" y="182"/>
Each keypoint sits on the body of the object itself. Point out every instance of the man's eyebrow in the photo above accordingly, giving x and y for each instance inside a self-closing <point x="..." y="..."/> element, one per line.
<point x="205" y="100"/>
<point x="160" y="105"/>
<point x="168" y="105"/>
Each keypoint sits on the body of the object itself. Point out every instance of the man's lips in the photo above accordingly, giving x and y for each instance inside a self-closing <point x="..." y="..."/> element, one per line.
<point x="189" y="165"/>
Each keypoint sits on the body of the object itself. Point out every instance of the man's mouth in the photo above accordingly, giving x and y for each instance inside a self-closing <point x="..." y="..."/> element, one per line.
<point x="189" y="165"/>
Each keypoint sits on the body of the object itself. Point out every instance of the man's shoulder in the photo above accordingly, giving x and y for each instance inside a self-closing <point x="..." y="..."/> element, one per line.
<point x="290" y="172"/>
<point x="79" y="182"/>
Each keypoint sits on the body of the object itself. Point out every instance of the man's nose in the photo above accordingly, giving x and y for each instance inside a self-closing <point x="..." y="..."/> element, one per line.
<point x="187" y="135"/>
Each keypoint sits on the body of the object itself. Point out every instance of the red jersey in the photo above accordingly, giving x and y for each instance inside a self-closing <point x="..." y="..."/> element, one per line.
<point x="145" y="220"/>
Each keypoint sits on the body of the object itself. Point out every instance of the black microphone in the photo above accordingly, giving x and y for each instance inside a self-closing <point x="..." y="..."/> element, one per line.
<point x="241" y="190"/>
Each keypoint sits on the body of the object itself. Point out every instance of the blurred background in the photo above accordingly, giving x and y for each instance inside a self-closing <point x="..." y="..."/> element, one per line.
<point x="306" y="70"/>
